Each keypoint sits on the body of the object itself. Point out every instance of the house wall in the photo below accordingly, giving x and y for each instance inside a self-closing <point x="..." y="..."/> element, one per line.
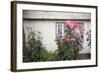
<point x="44" y="21"/>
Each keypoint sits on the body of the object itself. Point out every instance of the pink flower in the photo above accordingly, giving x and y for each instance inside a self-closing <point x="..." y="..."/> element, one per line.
<point x="72" y="39"/>
<point x="77" y="31"/>
<point x="78" y="46"/>
<point x="76" y="25"/>
<point x="67" y="40"/>
<point x="70" y="24"/>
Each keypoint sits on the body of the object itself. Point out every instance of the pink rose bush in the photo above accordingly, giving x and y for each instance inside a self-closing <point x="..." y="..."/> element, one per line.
<point x="74" y="28"/>
<point x="69" y="45"/>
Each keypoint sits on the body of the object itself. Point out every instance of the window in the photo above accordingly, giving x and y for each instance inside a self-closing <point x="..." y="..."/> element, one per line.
<point x="60" y="29"/>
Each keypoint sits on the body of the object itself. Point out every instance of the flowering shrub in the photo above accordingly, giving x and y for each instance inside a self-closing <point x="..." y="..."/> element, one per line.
<point x="70" y="44"/>
<point x="34" y="51"/>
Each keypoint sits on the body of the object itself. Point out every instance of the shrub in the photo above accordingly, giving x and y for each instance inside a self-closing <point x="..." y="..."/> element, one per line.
<point x="70" y="44"/>
<point x="34" y="51"/>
